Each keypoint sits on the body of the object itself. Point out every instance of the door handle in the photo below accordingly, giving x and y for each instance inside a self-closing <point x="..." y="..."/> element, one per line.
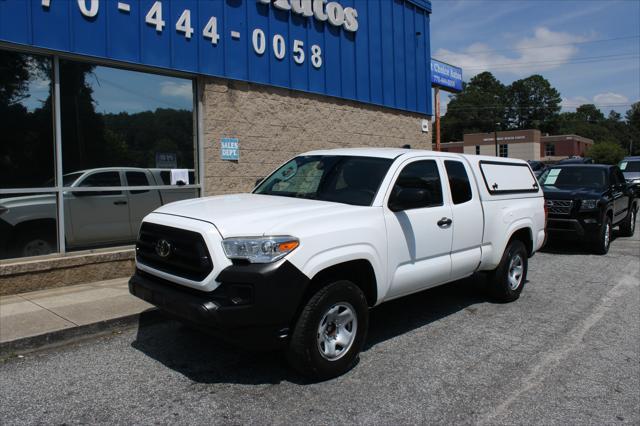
<point x="445" y="222"/>
<point x="119" y="203"/>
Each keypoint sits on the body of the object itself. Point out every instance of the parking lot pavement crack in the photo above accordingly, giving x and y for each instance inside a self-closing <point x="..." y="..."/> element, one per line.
<point x="572" y="341"/>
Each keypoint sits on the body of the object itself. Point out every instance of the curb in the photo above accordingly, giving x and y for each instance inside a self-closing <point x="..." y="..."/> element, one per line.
<point x="72" y="334"/>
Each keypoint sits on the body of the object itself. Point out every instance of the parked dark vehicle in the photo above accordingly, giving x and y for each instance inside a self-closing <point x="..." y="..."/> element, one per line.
<point x="576" y="160"/>
<point x="630" y="167"/>
<point x="585" y="201"/>
<point x="538" y="167"/>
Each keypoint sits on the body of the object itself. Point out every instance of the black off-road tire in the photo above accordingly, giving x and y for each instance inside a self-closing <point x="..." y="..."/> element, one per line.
<point x="603" y="242"/>
<point x="304" y="352"/>
<point x="628" y="225"/>
<point x="499" y="284"/>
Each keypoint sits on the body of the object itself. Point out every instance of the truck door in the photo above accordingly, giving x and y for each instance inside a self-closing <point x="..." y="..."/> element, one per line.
<point x="620" y="195"/>
<point x="141" y="201"/>
<point x="418" y="225"/>
<point x="468" y="219"/>
<point x="98" y="216"/>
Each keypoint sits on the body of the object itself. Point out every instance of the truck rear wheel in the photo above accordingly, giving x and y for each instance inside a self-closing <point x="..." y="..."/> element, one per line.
<point x="628" y="225"/>
<point x="505" y="283"/>
<point x="603" y="243"/>
<point x="330" y="332"/>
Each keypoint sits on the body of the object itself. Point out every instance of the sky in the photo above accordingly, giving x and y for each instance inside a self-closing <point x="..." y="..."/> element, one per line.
<point x="589" y="50"/>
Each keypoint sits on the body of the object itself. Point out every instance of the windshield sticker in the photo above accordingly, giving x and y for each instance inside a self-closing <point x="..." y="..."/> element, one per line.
<point x="554" y="172"/>
<point x="623" y="165"/>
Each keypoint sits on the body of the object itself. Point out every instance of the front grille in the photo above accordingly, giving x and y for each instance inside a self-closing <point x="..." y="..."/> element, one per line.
<point x="186" y="252"/>
<point x="560" y="207"/>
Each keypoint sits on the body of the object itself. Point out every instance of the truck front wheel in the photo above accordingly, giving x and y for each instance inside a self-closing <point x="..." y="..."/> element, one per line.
<point x="505" y="283"/>
<point x="330" y="332"/>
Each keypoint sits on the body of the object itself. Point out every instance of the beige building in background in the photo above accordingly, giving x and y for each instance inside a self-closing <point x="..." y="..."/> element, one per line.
<point x="522" y="144"/>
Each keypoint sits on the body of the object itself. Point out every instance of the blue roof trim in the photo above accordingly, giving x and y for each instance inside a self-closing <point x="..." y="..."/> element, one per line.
<point x="423" y="4"/>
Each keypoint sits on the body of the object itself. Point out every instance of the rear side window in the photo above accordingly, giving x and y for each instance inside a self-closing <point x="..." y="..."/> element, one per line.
<point x="508" y="178"/>
<point x="422" y="175"/>
<point x="137" y="179"/>
<point x="458" y="181"/>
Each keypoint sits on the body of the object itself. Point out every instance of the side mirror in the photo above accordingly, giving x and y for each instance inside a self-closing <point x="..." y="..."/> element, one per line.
<point x="408" y="198"/>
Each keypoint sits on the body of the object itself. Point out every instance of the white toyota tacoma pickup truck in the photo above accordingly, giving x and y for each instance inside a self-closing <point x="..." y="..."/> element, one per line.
<point x="330" y="234"/>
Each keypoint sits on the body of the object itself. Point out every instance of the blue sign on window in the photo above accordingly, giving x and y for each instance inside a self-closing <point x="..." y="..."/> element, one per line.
<point x="446" y="76"/>
<point x="230" y="149"/>
<point x="372" y="51"/>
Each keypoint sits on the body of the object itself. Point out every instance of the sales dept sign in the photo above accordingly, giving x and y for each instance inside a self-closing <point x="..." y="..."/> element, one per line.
<point x="229" y="149"/>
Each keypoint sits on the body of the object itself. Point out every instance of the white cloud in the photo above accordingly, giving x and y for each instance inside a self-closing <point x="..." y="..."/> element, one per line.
<point x="574" y="102"/>
<point x="601" y="100"/>
<point x="175" y="89"/>
<point x="610" y="98"/>
<point x="530" y="57"/>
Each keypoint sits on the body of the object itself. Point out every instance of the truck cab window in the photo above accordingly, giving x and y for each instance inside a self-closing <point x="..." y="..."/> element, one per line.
<point x="137" y="179"/>
<point x="103" y="179"/>
<point x="420" y="175"/>
<point x="458" y="181"/>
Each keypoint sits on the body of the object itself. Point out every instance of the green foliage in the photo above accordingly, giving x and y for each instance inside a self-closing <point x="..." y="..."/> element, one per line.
<point x="476" y="109"/>
<point x="485" y="105"/>
<point x="532" y="103"/>
<point x="606" y="153"/>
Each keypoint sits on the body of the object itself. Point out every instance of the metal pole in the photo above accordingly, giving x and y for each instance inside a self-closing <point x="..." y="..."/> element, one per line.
<point x="58" y="146"/>
<point x="436" y="95"/>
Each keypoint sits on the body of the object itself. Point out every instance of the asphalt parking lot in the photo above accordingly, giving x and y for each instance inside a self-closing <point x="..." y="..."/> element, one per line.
<point x="567" y="352"/>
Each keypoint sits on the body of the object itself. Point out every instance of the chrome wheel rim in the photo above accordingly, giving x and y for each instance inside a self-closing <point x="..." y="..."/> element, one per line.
<point x="337" y="331"/>
<point x="516" y="271"/>
<point x="607" y="235"/>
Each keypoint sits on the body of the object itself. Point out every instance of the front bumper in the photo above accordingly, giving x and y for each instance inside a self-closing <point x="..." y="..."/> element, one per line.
<point x="587" y="229"/>
<point x="255" y="304"/>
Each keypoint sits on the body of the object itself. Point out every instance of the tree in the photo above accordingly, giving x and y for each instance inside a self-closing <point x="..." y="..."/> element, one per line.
<point x="606" y="153"/>
<point x="478" y="108"/>
<point x="532" y="104"/>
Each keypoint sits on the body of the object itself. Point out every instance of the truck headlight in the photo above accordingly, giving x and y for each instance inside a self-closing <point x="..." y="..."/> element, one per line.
<point x="589" y="204"/>
<point x="3" y="210"/>
<point x="259" y="249"/>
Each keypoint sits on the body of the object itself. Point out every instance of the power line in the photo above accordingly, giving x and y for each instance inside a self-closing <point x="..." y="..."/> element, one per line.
<point x="475" y="52"/>
<point x="585" y="59"/>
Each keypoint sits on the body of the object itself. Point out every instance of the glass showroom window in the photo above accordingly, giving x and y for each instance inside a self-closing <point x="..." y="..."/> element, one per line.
<point x="128" y="147"/>
<point x="28" y="206"/>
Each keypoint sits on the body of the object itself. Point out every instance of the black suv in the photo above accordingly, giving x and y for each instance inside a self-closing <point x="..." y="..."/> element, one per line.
<point x="586" y="201"/>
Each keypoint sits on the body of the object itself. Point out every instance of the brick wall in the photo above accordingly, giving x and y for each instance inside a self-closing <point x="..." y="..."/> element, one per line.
<point x="274" y="124"/>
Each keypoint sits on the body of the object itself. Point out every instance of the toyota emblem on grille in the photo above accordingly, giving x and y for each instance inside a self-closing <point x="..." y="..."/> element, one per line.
<point x="163" y="248"/>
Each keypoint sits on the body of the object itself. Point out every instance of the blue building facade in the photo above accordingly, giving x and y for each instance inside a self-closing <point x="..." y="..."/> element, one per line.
<point x="371" y="51"/>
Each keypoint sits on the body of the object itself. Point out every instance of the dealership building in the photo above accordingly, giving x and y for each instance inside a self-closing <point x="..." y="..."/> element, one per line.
<point x="522" y="144"/>
<point x="110" y="108"/>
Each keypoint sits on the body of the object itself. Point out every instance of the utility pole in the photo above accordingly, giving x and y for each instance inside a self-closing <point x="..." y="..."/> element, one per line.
<point x="495" y="137"/>
<point x="436" y="98"/>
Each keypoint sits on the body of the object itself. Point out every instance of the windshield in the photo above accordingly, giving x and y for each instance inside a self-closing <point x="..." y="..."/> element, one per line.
<point x="342" y="179"/>
<point x="630" y="166"/>
<point x="575" y="177"/>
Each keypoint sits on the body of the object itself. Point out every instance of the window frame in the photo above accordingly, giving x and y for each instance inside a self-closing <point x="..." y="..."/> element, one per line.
<point x="59" y="189"/>
<point x="504" y="146"/>
<point x="464" y="168"/>
<point x="399" y="171"/>
<point x="549" y="152"/>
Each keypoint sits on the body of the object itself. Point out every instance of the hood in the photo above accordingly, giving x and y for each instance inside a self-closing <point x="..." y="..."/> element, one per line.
<point x="250" y="215"/>
<point x="555" y="193"/>
<point x="28" y="200"/>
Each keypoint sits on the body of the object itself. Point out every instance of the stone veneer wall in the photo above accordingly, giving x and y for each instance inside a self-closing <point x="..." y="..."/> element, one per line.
<point x="274" y="124"/>
<point x="21" y="276"/>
